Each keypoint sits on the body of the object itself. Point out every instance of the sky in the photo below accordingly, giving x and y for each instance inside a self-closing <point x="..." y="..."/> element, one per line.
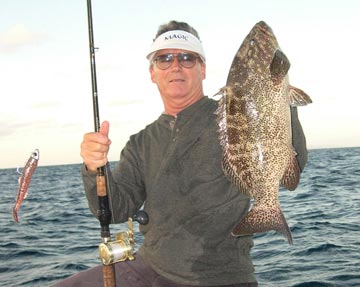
<point x="46" y="97"/>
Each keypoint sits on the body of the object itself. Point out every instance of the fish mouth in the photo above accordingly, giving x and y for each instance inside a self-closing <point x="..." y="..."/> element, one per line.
<point x="35" y="154"/>
<point x="265" y="28"/>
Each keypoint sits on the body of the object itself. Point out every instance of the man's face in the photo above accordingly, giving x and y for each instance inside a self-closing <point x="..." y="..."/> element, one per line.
<point x="178" y="82"/>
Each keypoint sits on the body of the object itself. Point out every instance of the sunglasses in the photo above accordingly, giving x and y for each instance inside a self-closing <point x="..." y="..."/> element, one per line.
<point x="186" y="60"/>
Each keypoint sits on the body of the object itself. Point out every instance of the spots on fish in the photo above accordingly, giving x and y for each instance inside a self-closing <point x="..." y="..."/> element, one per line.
<point x="255" y="129"/>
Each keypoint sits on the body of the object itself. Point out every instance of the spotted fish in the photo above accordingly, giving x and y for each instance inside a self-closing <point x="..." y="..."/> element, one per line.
<point x="24" y="181"/>
<point x="254" y="122"/>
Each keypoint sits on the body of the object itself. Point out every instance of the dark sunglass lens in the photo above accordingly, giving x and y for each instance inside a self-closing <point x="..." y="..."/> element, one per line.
<point x="165" y="58"/>
<point x="187" y="60"/>
<point x="164" y="61"/>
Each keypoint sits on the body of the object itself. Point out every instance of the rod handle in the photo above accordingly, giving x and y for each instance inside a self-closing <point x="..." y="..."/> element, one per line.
<point x="109" y="275"/>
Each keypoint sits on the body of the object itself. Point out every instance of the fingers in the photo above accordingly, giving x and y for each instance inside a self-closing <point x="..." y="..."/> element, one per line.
<point x="95" y="147"/>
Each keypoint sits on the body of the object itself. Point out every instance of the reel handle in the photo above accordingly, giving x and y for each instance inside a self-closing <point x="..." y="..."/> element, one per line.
<point x="141" y="217"/>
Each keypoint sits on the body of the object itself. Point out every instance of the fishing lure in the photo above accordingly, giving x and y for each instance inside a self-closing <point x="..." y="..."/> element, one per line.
<point x="24" y="181"/>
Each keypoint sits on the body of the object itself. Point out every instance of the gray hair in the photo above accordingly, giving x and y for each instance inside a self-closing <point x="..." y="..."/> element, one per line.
<point x="175" y="25"/>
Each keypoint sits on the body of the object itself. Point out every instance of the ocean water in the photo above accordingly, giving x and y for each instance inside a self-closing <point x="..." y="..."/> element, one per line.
<point x="57" y="236"/>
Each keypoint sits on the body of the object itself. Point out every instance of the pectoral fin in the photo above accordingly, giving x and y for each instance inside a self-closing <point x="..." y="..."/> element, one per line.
<point x="298" y="97"/>
<point x="279" y="67"/>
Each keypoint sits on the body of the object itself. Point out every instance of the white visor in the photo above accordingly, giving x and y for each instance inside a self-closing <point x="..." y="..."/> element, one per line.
<point x="177" y="39"/>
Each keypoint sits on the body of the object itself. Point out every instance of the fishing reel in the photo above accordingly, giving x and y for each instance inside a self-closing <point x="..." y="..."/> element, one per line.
<point x="122" y="248"/>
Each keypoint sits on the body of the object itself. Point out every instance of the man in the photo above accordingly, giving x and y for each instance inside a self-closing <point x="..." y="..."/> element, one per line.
<point x="173" y="169"/>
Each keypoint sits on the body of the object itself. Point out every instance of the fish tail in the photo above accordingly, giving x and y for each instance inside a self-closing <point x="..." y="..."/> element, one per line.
<point x="15" y="215"/>
<point x="261" y="219"/>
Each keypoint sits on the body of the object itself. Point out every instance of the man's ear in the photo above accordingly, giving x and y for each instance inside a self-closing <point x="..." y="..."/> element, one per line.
<point x="152" y="74"/>
<point x="203" y="71"/>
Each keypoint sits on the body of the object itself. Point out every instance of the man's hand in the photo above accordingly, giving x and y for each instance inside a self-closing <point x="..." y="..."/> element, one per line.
<point x="95" y="147"/>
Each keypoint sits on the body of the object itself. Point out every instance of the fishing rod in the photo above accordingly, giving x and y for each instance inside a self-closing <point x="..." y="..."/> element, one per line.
<point x="104" y="213"/>
<point x="122" y="248"/>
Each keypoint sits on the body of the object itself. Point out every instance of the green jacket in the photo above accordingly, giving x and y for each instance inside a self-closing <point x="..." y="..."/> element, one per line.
<point x="173" y="169"/>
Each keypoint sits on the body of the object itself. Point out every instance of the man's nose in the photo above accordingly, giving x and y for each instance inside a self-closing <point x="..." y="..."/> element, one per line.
<point x="176" y="63"/>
